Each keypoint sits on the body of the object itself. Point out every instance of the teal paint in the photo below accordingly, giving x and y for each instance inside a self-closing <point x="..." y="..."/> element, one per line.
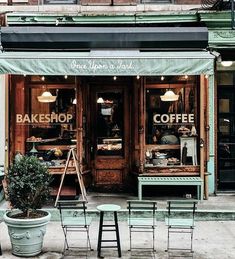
<point x="211" y="163"/>
<point x="107" y="63"/>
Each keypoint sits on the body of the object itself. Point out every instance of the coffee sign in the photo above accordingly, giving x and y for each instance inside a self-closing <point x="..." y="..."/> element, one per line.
<point x="173" y="118"/>
<point x="40" y="118"/>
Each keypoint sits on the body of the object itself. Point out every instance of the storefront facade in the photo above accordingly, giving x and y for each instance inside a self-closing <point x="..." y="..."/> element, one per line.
<point x="111" y="103"/>
<point x="222" y="40"/>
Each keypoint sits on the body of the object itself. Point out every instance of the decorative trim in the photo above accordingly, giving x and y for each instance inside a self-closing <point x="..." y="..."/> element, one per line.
<point x="20" y="236"/>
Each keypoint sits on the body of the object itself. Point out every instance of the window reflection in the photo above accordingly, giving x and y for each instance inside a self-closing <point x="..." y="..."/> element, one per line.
<point x="110" y="123"/>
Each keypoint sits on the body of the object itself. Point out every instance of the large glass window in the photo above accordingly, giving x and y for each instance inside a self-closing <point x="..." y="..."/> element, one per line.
<point x="43" y="118"/>
<point x="171" y="121"/>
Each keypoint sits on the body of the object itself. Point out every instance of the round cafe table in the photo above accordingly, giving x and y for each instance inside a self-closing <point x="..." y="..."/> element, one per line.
<point x="109" y="208"/>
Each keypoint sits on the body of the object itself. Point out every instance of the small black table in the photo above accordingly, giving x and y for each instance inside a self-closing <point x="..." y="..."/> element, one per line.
<point x="108" y="208"/>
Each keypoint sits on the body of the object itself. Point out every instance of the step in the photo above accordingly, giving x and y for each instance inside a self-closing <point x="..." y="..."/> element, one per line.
<point x="200" y="215"/>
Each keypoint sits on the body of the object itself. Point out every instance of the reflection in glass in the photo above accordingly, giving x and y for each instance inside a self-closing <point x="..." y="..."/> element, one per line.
<point x="110" y="124"/>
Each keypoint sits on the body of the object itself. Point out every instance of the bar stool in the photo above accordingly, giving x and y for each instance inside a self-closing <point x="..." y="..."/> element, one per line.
<point x="112" y="208"/>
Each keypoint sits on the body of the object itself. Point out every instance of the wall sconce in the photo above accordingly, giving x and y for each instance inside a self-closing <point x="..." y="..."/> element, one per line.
<point x="74" y="101"/>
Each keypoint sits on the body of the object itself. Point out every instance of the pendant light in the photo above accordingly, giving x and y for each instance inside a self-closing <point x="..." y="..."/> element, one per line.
<point x="46" y="97"/>
<point x="169" y="96"/>
<point x="100" y="100"/>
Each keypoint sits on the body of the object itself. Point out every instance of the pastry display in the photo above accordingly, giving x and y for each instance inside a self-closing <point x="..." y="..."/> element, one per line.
<point x="184" y="131"/>
<point x="173" y="161"/>
<point x="34" y="139"/>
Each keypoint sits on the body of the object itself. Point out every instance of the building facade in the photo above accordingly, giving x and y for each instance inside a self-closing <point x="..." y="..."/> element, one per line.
<point x="109" y="69"/>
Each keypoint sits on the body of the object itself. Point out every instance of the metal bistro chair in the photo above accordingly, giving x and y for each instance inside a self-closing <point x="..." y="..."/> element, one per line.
<point x="142" y="218"/>
<point x="74" y="219"/>
<point x="0" y="243"/>
<point x="180" y="220"/>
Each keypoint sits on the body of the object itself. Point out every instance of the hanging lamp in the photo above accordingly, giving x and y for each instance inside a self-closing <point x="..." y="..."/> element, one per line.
<point x="100" y="100"/>
<point x="46" y="97"/>
<point x="169" y="96"/>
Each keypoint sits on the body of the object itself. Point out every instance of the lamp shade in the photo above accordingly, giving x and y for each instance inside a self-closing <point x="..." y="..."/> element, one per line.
<point x="169" y="96"/>
<point x="46" y="97"/>
<point x="100" y="100"/>
<point x="226" y="63"/>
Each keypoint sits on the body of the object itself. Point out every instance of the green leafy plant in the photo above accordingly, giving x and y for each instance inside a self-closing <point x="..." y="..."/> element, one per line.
<point x="28" y="183"/>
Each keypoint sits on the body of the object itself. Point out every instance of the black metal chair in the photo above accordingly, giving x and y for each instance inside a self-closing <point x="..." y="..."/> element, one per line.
<point x="142" y="218"/>
<point x="74" y="218"/>
<point x="180" y="220"/>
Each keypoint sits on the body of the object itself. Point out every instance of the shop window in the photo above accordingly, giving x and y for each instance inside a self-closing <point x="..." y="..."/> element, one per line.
<point x="156" y="1"/>
<point x="57" y="2"/>
<point x="110" y="124"/>
<point x="54" y="126"/>
<point x="44" y="126"/>
<point x="172" y="124"/>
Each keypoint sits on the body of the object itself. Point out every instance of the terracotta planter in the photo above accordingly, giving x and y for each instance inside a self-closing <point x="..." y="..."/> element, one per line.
<point x="26" y="235"/>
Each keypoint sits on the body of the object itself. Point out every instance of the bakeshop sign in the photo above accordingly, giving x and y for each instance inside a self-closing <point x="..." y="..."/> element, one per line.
<point x="40" y="118"/>
<point x="173" y="118"/>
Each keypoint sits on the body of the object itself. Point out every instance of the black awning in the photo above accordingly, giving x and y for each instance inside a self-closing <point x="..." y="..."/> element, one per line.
<point x="103" y="37"/>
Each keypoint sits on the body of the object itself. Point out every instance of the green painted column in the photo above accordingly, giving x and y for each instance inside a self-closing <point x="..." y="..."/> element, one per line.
<point x="211" y="163"/>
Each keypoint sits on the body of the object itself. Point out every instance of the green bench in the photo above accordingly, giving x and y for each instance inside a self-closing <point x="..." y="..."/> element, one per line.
<point x="171" y="180"/>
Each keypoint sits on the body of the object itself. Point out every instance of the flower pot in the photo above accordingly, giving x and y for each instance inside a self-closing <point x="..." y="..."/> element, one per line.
<point x="26" y="235"/>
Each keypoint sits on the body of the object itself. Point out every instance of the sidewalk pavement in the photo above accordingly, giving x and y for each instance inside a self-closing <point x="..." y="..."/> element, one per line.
<point x="212" y="240"/>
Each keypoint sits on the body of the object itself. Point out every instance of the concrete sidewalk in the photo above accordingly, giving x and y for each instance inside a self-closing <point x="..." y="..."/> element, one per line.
<point x="221" y="207"/>
<point x="212" y="240"/>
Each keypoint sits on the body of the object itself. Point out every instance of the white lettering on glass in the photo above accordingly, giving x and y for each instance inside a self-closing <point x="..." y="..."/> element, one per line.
<point x="173" y="118"/>
<point x="43" y="118"/>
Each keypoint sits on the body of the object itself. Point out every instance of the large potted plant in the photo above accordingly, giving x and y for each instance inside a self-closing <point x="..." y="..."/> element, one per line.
<point x="27" y="189"/>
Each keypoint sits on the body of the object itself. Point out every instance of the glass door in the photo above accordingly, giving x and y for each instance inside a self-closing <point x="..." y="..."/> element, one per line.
<point x="226" y="131"/>
<point x="110" y="133"/>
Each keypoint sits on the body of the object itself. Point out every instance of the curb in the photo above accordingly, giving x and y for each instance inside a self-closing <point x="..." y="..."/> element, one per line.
<point x="200" y="215"/>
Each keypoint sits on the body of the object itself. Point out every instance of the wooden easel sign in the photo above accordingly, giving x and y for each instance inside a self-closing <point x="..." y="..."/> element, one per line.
<point x="72" y="155"/>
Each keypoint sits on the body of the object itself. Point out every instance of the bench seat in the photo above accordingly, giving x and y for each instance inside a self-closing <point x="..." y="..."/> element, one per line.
<point x="171" y="180"/>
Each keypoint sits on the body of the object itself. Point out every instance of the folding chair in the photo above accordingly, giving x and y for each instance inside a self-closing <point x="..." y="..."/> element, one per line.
<point x="0" y="243"/>
<point x="180" y="220"/>
<point x="74" y="219"/>
<point x="141" y="218"/>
